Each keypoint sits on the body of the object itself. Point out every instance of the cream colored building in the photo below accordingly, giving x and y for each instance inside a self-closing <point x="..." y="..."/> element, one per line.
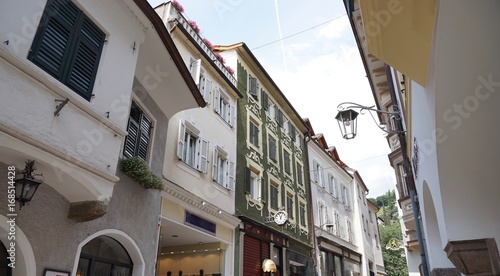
<point x="197" y="217"/>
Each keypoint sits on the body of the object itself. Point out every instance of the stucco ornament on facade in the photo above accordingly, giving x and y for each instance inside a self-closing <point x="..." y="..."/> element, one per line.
<point x="288" y="182"/>
<point x="253" y="106"/>
<point x="271" y="124"/>
<point x="273" y="170"/>
<point x="254" y="156"/>
<point x="257" y="204"/>
<point x="287" y="141"/>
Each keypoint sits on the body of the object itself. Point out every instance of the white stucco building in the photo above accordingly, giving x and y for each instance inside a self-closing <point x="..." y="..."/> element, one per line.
<point x="444" y="74"/>
<point x="197" y="219"/>
<point x="85" y="83"/>
<point x="347" y="240"/>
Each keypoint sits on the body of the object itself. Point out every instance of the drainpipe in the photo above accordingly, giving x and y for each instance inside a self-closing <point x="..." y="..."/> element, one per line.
<point x="410" y="182"/>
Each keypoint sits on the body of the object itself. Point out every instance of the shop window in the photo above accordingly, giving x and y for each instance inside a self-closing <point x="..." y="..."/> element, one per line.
<point x="104" y="256"/>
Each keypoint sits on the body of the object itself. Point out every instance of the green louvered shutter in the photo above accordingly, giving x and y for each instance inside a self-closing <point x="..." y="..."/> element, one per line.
<point x="83" y="67"/>
<point x="68" y="46"/>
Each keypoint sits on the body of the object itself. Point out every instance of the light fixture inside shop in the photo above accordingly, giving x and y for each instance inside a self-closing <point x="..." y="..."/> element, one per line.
<point x="347" y="118"/>
<point x="27" y="184"/>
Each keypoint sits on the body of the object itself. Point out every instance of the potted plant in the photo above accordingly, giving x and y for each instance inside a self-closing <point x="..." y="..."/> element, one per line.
<point x="194" y="26"/>
<point x="178" y="6"/>
<point x="138" y="169"/>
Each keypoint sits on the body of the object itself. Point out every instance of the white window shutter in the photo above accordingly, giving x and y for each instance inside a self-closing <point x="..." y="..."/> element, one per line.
<point x="320" y="175"/>
<point x="215" y="165"/>
<point x="196" y="71"/>
<point x="208" y="90"/>
<point x="182" y="133"/>
<point x="232" y="115"/>
<point x="232" y="173"/>
<point x="216" y="100"/>
<point x="315" y="172"/>
<point x="203" y="156"/>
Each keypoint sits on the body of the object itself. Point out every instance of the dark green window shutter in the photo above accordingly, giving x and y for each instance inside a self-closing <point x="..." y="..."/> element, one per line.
<point x="289" y="206"/>
<point x="292" y="131"/>
<point x="139" y="131"/>
<point x="83" y="67"/>
<point x="265" y="100"/>
<point x="302" y="216"/>
<point x="247" y="181"/>
<point x="68" y="46"/>
<point x="279" y="117"/>
<point x="272" y="148"/>
<point x="133" y="131"/>
<point x="274" y="197"/>
<point x="263" y="190"/>
<point x="143" y="143"/>
<point x="51" y="45"/>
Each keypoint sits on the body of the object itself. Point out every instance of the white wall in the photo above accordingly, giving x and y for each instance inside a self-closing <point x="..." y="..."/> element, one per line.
<point x="461" y="103"/>
<point x="212" y="128"/>
<point x="81" y="134"/>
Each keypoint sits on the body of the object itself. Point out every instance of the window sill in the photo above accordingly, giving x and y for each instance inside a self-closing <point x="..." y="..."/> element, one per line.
<point x="57" y="87"/>
<point x="187" y="168"/>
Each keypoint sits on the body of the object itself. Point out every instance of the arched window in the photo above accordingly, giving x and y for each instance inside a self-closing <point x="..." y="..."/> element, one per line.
<point x="5" y="270"/>
<point x="104" y="256"/>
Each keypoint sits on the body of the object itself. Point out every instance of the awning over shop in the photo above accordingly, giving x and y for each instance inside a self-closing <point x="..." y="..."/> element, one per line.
<point x="399" y="33"/>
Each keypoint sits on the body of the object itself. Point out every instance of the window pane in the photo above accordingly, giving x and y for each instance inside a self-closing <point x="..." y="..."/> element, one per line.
<point x="274" y="197"/>
<point x="101" y="269"/>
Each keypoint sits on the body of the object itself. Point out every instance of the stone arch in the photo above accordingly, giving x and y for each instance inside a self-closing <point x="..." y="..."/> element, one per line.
<point x="25" y="258"/>
<point x="125" y="240"/>
<point x="433" y="242"/>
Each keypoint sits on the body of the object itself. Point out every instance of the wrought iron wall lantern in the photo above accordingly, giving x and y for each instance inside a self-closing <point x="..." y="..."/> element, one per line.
<point x="347" y="118"/>
<point x="27" y="184"/>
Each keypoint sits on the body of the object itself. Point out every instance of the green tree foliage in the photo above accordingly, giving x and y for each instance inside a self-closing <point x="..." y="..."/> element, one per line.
<point x="391" y="237"/>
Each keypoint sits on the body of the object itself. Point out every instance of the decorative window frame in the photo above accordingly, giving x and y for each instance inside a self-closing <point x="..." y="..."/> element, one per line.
<point x="200" y="77"/>
<point x="276" y="183"/>
<point x="255" y="120"/>
<point x="148" y="114"/>
<point x="230" y="168"/>
<point x="258" y="171"/>
<point x="229" y="116"/>
<point x="290" y="161"/>
<point x="301" y="175"/>
<point x="201" y="149"/>
<point x="277" y="161"/>
<point x="303" y="228"/>
<point x="291" y="217"/>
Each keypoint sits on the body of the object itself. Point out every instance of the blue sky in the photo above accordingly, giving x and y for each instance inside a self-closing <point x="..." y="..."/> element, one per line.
<point x="317" y="68"/>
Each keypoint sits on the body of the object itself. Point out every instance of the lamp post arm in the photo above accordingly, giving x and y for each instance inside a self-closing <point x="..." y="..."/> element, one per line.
<point x="351" y="105"/>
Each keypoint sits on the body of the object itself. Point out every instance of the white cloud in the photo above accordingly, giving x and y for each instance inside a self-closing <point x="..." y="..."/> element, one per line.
<point x="335" y="29"/>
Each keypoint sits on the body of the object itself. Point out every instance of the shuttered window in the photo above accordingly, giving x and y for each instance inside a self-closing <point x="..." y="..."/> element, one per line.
<point x="272" y="149"/>
<point x="253" y="88"/>
<point x="274" y="197"/>
<point x="139" y="133"/>
<point x="68" y="46"/>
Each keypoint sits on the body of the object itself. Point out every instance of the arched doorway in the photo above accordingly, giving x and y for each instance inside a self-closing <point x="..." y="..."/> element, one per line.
<point x="104" y="256"/>
<point x="5" y="270"/>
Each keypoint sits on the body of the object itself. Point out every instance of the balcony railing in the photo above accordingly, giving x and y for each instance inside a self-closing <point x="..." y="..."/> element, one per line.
<point x="182" y="21"/>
